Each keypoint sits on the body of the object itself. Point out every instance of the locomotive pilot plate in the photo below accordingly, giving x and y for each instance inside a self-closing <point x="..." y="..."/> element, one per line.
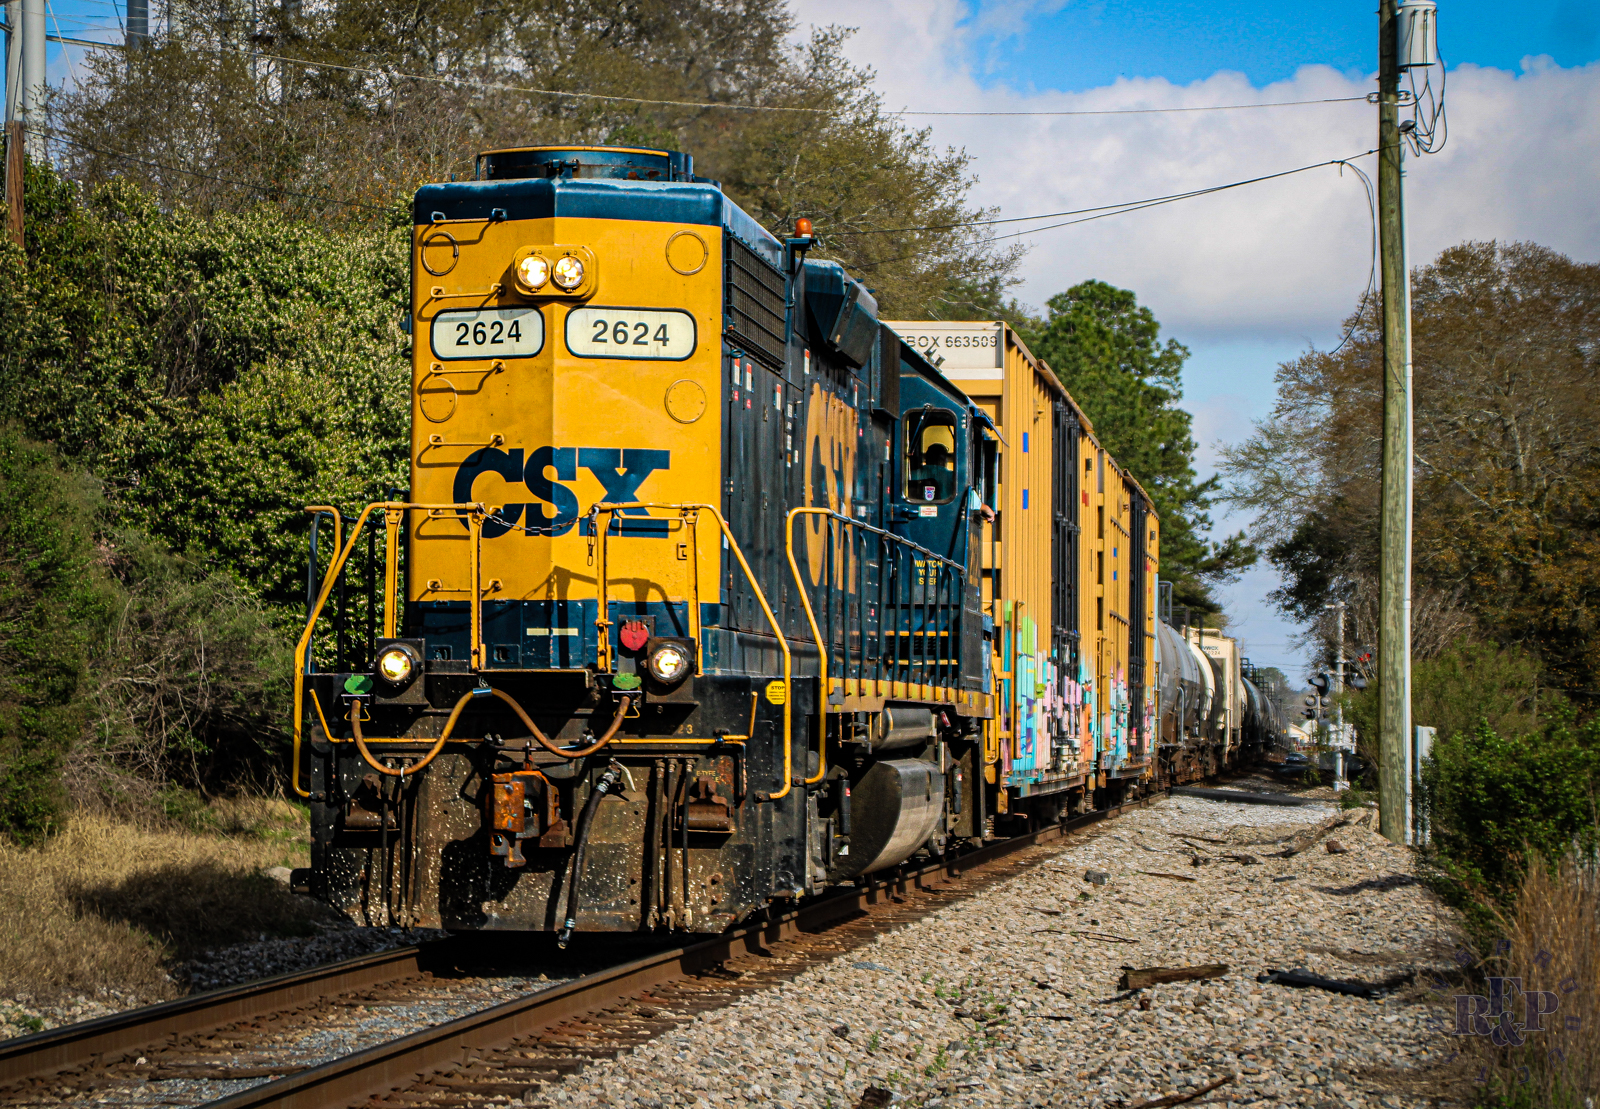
<point x="487" y="333"/>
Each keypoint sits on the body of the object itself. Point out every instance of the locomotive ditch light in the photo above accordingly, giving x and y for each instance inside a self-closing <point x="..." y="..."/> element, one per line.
<point x="568" y="272"/>
<point x="669" y="660"/>
<point x="398" y="663"/>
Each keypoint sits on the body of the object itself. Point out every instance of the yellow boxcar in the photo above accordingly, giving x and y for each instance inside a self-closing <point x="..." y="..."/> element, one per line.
<point x="1071" y="561"/>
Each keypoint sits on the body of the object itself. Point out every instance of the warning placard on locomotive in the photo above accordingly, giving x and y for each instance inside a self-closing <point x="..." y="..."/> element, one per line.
<point x="970" y="351"/>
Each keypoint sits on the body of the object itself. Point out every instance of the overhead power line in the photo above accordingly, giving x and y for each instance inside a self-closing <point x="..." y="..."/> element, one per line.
<point x="496" y="86"/>
<point x="1103" y="209"/>
<point x="1149" y="111"/>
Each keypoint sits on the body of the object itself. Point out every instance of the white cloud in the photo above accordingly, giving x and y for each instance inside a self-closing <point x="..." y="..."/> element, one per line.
<point x="1248" y="275"/>
<point x="1283" y="259"/>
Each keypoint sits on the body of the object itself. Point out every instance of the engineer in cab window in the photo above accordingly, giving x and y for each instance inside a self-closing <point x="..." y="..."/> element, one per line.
<point x="931" y="475"/>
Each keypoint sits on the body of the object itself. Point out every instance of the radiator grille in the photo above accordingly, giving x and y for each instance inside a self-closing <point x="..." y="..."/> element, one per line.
<point x="753" y="302"/>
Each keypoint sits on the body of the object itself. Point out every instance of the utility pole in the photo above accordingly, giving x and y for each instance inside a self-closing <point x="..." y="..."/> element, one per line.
<point x="1341" y="771"/>
<point x="1394" y="571"/>
<point x="13" y="124"/>
<point x="31" y="76"/>
<point x="13" y="56"/>
<point x="138" y="22"/>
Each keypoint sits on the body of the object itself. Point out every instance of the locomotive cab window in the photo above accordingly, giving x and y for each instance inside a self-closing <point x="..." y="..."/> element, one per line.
<point x="931" y="456"/>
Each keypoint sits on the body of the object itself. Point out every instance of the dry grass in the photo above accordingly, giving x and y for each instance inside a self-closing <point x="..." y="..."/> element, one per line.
<point x="104" y="905"/>
<point x="1552" y="943"/>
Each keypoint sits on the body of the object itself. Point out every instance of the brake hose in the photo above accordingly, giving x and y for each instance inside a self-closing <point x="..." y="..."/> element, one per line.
<point x="580" y="844"/>
<point x="438" y="744"/>
<point x="624" y="703"/>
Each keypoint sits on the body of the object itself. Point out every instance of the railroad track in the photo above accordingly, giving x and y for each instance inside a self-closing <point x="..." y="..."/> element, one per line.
<point x="507" y="1050"/>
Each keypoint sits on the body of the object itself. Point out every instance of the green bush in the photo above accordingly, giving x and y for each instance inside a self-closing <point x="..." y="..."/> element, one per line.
<point x="1494" y="802"/>
<point x="54" y="608"/>
<point x="217" y="374"/>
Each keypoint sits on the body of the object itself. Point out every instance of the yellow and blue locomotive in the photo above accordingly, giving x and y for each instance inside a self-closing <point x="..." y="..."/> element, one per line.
<point x="711" y="589"/>
<point x="681" y="613"/>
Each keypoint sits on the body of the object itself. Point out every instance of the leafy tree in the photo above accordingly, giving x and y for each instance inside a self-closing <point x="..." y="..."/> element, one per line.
<point x="349" y="106"/>
<point x="1106" y="349"/>
<point x="1506" y="546"/>
<point x="220" y="374"/>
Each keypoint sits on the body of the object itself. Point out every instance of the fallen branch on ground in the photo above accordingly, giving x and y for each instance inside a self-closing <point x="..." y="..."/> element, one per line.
<point x="1105" y="936"/>
<point x="1302" y="840"/>
<point x="1138" y="978"/>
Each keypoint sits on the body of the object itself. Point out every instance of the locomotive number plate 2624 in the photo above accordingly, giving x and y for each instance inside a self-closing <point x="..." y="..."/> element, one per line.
<point x="487" y="333"/>
<point x="665" y="334"/>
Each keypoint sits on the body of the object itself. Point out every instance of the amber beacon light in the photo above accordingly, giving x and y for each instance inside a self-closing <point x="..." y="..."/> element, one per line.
<point x="802" y="228"/>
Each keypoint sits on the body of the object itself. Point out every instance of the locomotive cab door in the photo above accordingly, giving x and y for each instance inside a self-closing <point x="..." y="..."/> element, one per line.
<point x="934" y="470"/>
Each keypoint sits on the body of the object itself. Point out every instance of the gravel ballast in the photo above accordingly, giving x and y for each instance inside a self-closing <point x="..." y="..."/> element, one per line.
<point x="215" y="969"/>
<point x="1011" y="999"/>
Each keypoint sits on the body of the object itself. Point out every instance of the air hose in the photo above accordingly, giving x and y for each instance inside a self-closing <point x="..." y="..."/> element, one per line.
<point x="580" y="843"/>
<point x="623" y="704"/>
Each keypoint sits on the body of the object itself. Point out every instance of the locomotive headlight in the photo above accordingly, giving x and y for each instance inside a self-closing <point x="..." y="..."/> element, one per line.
<point x="669" y="662"/>
<point x="396" y="663"/>
<point x="568" y="272"/>
<point x="532" y="272"/>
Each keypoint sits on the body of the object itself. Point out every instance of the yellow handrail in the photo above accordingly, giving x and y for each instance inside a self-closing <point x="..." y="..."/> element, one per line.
<point x="391" y="571"/>
<point x="338" y="517"/>
<point x="816" y="634"/>
<point x="602" y="621"/>
<point x="811" y="616"/>
<point x="341" y="556"/>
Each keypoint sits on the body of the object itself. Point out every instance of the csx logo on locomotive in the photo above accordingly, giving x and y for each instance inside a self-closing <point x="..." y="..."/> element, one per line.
<point x="555" y="509"/>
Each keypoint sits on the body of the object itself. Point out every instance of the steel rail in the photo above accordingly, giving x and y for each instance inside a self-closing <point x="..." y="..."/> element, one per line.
<point x="377" y="1070"/>
<point x="75" y="1045"/>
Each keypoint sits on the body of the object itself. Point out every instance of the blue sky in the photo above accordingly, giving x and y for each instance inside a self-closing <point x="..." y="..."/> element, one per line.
<point x="1251" y="278"/>
<point x="1089" y="44"/>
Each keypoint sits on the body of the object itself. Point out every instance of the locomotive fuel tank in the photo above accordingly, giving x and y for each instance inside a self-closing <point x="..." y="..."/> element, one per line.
<point x="897" y="804"/>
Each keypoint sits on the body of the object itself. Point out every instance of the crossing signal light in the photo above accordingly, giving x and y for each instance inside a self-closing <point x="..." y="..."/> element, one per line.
<point x="1319" y="682"/>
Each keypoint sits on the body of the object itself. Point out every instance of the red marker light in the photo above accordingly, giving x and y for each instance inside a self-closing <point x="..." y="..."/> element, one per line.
<point x="634" y="634"/>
